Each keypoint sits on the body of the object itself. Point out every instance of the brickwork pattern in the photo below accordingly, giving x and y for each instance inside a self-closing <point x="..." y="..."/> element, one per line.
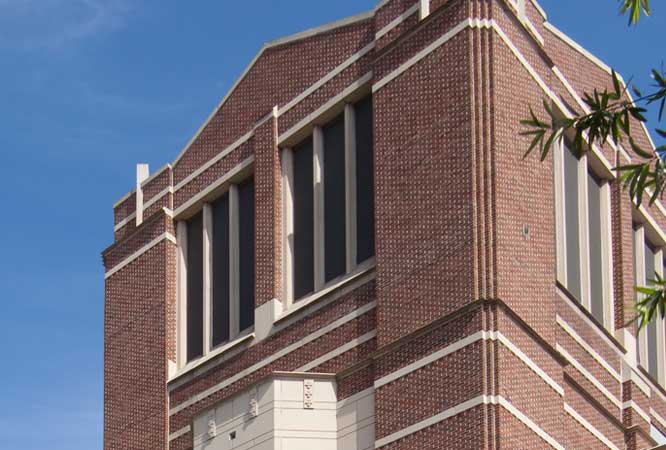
<point x="465" y="244"/>
<point x="421" y="133"/>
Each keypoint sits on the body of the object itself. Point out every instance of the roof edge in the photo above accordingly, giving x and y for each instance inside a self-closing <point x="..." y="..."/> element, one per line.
<point x="272" y="44"/>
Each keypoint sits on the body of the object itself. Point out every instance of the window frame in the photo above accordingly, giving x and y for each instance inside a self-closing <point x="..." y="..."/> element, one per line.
<point x="353" y="267"/>
<point x="646" y="233"/>
<point x="236" y="336"/>
<point x="589" y="164"/>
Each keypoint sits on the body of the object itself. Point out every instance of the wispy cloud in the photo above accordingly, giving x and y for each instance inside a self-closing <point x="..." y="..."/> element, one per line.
<point x="56" y="23"/>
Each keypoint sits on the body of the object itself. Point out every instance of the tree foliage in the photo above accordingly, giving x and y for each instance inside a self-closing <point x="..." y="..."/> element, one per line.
<point x="608" y="118"/>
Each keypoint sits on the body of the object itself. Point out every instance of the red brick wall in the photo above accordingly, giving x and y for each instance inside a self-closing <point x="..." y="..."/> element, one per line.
<point x="136" y="346"/>
<point x="423" y="210"/>
<point x="453" y="196"/>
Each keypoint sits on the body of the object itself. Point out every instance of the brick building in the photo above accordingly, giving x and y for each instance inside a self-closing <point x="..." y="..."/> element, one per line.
<point x="352" y="254"/>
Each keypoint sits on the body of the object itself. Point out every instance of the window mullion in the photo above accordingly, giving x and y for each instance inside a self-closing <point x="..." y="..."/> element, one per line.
<point x="607" y="257"/>
<point x="350" y="186"/>
<point x="560" y="215"/>
<point x="639" y="246"/>
<point x="181" y="276"/>
<point x="234" y="263"/>
<point x="661" y="345"/>
<point x="318" y="182"/>
<point x="207" y="277"/>
<point x="288" y="226"/>
<point x="583" y="227"/>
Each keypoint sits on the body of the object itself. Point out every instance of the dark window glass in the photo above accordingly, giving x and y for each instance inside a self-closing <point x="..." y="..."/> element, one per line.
<point x="335" y="262"/>
<point x="195" y="287"/>
<point x="652" y="349"/>
<point x="220" y="307"/>
<point x="596" y="271"/>
<point x="365" y="199"/>
<point x="572" y="223"/>
<point x="637" y="281"/>
<point x="246" y="253"/>
<point x="303" y="220"/>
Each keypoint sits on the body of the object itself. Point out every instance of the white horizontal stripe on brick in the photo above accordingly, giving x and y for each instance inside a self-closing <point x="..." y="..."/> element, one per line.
<point x="329" y="76"/>
<point x="156" y="198"/>
<point x="637" y="378"/>
<point x="243" y="139"/>
<point x="148" y="204"/>
<point x="124" y="222"/>
<point x="588" y="348"/>
<point x="422" y="54"/>
<point x="539" y="9"/>
<point x="157" y="173"/>
<point x="182" y="432"/>
<point x="141" y="251"/>
<point x="530" y="363"/>
<point x="566" y="39"/>
<point x="326" y="106"/>
<point x="480" y="335"/>
<point x="591" y="378"/>
<point x="338" y="351"/>
<point x="274" y="357"/>
<point x="595" y="149"/>
<point x="589" y="427"/>
<point x="397" y="21"/>
<point x="573" y="44"/>
<point x="123" y="198"/>
<point x="281" y="41"/>
<point x="529" y="423"/>
<point x="658" y="417"/>
<point x="469" y="404"/>
<point x="542" y="84"/>
<point x="413" y="367"/>
<point x="217" y="183"/>
<point x="356" y="397"/>
<point x="633" y="405"/>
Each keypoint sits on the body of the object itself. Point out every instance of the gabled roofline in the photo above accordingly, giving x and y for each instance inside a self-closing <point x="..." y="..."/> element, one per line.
<point x="599" y="63"/>
<point x="541" y="11"/>
<point x="271" y="44"/>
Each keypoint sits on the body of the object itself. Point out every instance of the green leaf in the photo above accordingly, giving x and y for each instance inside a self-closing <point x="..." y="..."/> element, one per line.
<point x="638" y="150"/>
<point x="637" y="113"/>
<point x="640" y="186"/>
<point x="658" y="77"/>
<point x="635" y="8"/>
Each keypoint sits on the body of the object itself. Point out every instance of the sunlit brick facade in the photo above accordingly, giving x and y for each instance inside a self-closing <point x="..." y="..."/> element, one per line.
<point x="352" y="253"/>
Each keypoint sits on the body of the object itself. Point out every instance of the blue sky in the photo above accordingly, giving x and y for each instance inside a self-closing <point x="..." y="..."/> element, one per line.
<point x="88" y="89"/>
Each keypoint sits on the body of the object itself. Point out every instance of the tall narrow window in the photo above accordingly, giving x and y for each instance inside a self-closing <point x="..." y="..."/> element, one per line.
<point x="595" y="245"/>
<point x="195" y="287"/>
<point x="330" y="197"/>
<point x="246" y="254"/>
<point x="218" y="259"/>
<point x="365" y="177"/>
<point x="220" y="277"/>
<point x="572" y="217"/>
<point x="335" y="262"/>
<point x="303" y="219"/>
<point x="584" y="249"/>
<point x="651" y="330"/>
<point x="648" y="262"/>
